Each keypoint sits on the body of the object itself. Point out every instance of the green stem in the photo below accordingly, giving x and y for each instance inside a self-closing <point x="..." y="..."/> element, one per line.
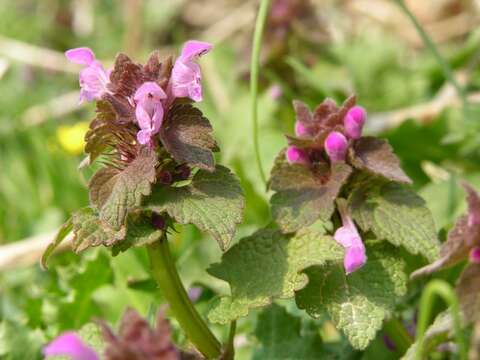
<point x="398" y="334"/>
<point x="447" y="71"/>
<point x="166" y="275"/>
<point x="444" y="290"/>
<point x="254" y="68"/>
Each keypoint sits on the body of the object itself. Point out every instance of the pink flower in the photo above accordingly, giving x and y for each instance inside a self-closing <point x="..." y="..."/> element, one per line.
<point x="186" y="76"/>
<point x="301" y="130"/>
<point x="149" y="110"/>
<point x="93" y="78"/>
<point x="336" y="146"/>
<point x="275" y="92"/>
<point x="354" y="121"/>
<point x="69" y="344"/>
<point x="475" y="255"/>
<point x="350" y="239"/>
<point x="297" y="155"/>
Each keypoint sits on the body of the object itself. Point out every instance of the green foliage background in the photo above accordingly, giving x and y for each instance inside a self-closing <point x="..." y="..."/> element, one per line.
<point x="40" y="184"/>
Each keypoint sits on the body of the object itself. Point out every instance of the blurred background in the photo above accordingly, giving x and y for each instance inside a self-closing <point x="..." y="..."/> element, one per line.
<point x="425" y="104"/>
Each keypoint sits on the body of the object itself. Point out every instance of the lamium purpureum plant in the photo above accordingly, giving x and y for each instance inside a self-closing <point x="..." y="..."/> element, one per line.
<point x="156" y="151"/>
<point x="343" y="208"/>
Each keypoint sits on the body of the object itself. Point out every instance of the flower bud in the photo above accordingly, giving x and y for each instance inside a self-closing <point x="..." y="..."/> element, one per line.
<point x="354" y="259"/>
<point x="354" y="121"/>
<point x="336" y="146"/>
<point x="165" y="177"/>
<point x="297" y="155"/>
<point x="301" y="130"/>
<point x="158" y="221"/>
<point x="475" y="255"/>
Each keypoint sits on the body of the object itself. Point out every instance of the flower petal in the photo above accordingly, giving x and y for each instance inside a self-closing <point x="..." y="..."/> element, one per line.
<point x="193" y="49"/>
<point x="69" y="344"/>
<point x="148" y="89"/>
<point x="82" y="55"/>
<point x="354" y="258"/>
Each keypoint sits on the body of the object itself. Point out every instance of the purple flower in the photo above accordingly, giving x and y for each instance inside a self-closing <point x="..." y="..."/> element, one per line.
<point x="475" y="255"/>
<point x="93" y="78"/>
<point x="354" y="121"/>
<point x="69" y="344"/>
<point x="297" y="155"/>
<point x="350" y="239"/>
<point x="149" y="110"/>
<point x="275" y="92"/>
<point x="186" y="76"/>
<point x="336" y="145"/>
<point x="301" y="130"/>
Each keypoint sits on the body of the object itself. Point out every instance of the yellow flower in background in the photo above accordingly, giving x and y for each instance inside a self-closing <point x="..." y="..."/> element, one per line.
<point x="71" y="137"/>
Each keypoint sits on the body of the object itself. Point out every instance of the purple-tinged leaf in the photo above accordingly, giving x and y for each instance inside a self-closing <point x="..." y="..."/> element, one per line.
<point x="376" y="156"/>
<point x="187" y="136"/>
<point x="468" y="292"/>
<point x="126" y="189"/>
<point x="464" y="237"/>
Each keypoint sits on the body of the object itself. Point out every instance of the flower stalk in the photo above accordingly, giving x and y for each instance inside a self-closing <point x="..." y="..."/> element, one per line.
<point x="167" y="278"/>
<point x="254" y="68"/>
<point x="443" y="290"/>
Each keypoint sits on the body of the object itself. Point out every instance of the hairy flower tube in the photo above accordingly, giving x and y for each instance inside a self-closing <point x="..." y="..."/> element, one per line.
<point x="186" y="75"/>
<point x="93" y="78"/>
<point x="350" y="239"/>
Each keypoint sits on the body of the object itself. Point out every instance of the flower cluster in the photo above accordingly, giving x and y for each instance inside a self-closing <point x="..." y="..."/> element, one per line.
<point x="145" y="94"/>
<point x="326" y="135"/>
<point x="135" y="340"/>
<point x="318" y="131"/>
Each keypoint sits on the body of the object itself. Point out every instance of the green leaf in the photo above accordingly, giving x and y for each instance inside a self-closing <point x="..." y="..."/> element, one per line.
<point x="357" y="303"/>
<point x="91" y="336"/>
<point x="126" y="190"/>
<point x="61" y="235"/>
<point x="213" y="201"/>
<point x="281" y="337"/>
<point x="376" y="156"/>
<point x="304" y="195"/>
<point x="90" y="231"/>
<point x="395" y="213"/>
<point x="17" y="342"/>
<point x="187" y="136"/>
<point x="268" y="265"/>
<point x="140" y="232"/>
<point x="436" y="334"/>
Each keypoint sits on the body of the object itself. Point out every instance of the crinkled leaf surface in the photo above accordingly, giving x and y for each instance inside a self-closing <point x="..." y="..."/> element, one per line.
<point x="90" y="231"/>
<point x="268" y="265"/>
<point x="377" y="157"/>
<point x="304" y="195"/>
<point x="461" y="239"/>
<point x="281" y="337"/>
<point x="187" y="136"/>
<point x="357" y="303"/>
<point x="213" y="201"/>
<point x="436" y="334"/>
<point x="139" y="232"/>
<point x="395" y="213"/>
<point x="127" y="190"/>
